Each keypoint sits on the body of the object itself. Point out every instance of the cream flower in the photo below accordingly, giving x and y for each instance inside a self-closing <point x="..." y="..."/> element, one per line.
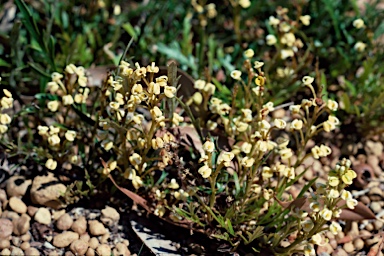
<point x="135" y="159"/>
<point x="199" y="84"/>
<point x="280" y="123"/>
<point x="286" y="153"/>
<point x="236" y="74"/>
<point x="54" y="140"/>
<point x="258" y="64"/>
<point x="209" y="146"/>
<point x="225" y="158"/>
<point x="286" y="53"/>
<point x="70" y="135"/>
<point x="5" y="119"/>
<point x="244" y="3"/>
<point x="273" y="21"/>
<point x="247" y="162"/>
<point x="360" y="46"/>
<point x="332" y="105"/>
<point x="326" y="214"/>
<point x="51" y="164"/>
<point x="53" y="105"/>
<point x="3" y="128"/>
<point x="173" y="184"/>
<point x="271" y="39"/>
<point x="297" y="124"/>
<point x="306" y="19"/>
<point x="335" y="228"/>
<point x="249" y="53"/>
<point x="169" y="91"/>
<point x="308" y="80"/>
<point x="67" y="100"/>
<point x="205" y="171"/>
<point x="307" y="225"/>
<point x="358" y="23"/>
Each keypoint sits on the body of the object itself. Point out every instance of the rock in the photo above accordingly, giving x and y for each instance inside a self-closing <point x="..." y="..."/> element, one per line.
<point x="57" y="214"/>
<point x="79" y="247"/>
<point x="80" y="225"/>
<point x="373" y="148"/>
<point x="69" y="253"/>
<point x="64" y="222"/>
<point x="17" y="186"/>
<point x="17" y="205"/>
<point x="109" y="216"/>
<point x="22" y="225"/>
<point x="358" y="244"/>
<point x="10" y="215"/>
<point x="5" y="243"/>
<point x="15" y="251"/>
<point x="3" y="196"/>
<point x="32" y="210"/>
<point x="103" y="249"/>
<point x="65" y="239"/>
<point x="121" y="249"/>
<point x="5" y="252"/>
<point x="93" y="243"/>
<point x="24" y="246"/>
<point x="348" y="247"/>
<point x="96" y="228"/>
<point x="6" y="228"/>
<point x="376" y="207"/>
<point x="25" y="237"/>
<point x="339" y="252"/>
<point x="43" y="216"/>
<point x="104" y="238"/>
<point x="16" y="241"/>
<point x="85" y="237"/>
<point x="32" y="251"/>
<point x="46" y="191"/>
<point x="90" y="252"/>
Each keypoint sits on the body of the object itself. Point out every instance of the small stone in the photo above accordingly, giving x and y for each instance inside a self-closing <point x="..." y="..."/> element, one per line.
<point x="5" y="244"/>
<point x="57" y="214"/>
<point x="348" y="247"/>
<point x="65" y="239"/>
<point x="371" y="241"/>
<point x="10" y="215"/>
<point x="64" y="222"/>
<point x="46" y="190"/>
<point x="48" y="245"/>
<point x="32" y="251"/>
<point x="79" y="247"/>
<point x="54" y="253"/>
<point x="6" y="228"/>
<point x="365" y="200"/>
<point x="32" y="210"/>
<point x="126" y="242"/>
<point x="85" y="237"/>
<point x="3" y="196"/>
<point x="104" y="238"/>
<point x="376" y="207"/>
<point x="15" y="251"/>
<point x="326" y="248"/>
<point x="339" y="252"/>
<point x="373" y="148"/>
<point x="25" y="237"/>
<point x="80" y="225"/>
<point x="375" y="191"/>
<point x="358" y="244"/>
<point x="43" y="216"/>
<point x="378" y="224"/>
<point x="17" y="186"/>
<point x="90" y="252"/>
<point x="5" y="252"/>
<point x="93" y="243"/>
<point x="109" y="216"/>
<point x="24" y="246"/>
<point x="69" y="253"/>
<point x="22" y="225"/>
<point x="96" y="228"/>
<point x="16" y="241"/>
<point x="103" y="249"/>
<point x="17" y="205"/>
<point x="122" y="250"/>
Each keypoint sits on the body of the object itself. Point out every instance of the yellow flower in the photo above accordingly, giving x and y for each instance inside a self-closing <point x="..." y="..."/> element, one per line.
<point x="244" y="3"/>
<point x="309" y="250"/>
<point x="70" y="69"/>
<point x="335" y="228"/>
<point x="241" y="126"/>
<point x="159" y="211"/>
<point x="135" y="159"/>
<point x="306" y="19"/>
<point x="169" y="91"/>
<point x="258" y="64"/>
<point x="286" y="53"/>
<point x="360" y="46"/>
<point x="346" y="195"/>
<point x="70" y="135"/>
<point x="273" y="21"/>
<point x="107" y="145"/>
<point x="3" y="128"/>
<point x="67" y="100"/>
<point x="114" y="105"/>
<point x="307" y="225"/>
<point x="297" y="124"/>
<point x="333" y="193"/>
<point x="5" y="119"/>
<point x="157" y="143"/>
<point x="326" y="214"/>
<point x="295" y="109"/>
<point x="197" y="98"/>
<point x="315" y="206"/>
<point x="247" y="162"/>
<point x="236" y="74"/>
<point x="211" y="125"/>
<point x="249" y="53"/>
<point x="181" y="195"/>
<point x="328" y="126"/>
<point x="209" y="146"/>
<point x="332" y="105"/>
<point x="137" y="118"/>
<point x="358" y="23"/>
<point x="333" y="181"/>
<point x="246" y="147"/>
<point x="82" y="80"/>
<point x="351" y="203"/>
<point x="51" y="164"/>
<point x="271" y="39"/>
<point x="308" y="80"/>
<point x="153" y="68"/>
<point x="348" y="177"/>
<point x="210" y="88"/>
<point x="257" y="91"/>
<point x="54" y="140"/>
<point x="205" y="171"/>
<point x="225" y="158"/>
<point x="266" y="173"/>
<point x="280" y="123"/>
<point x="259" y="81"/>
<point x="286" y="153"/>
<point x="199" y="84"/>
<point x="6" y="103"/>
<point x="53" y="105"/>
<point x="288" y="39"/>
<point x="156" y="112"/>
<point x="173" y="184"/>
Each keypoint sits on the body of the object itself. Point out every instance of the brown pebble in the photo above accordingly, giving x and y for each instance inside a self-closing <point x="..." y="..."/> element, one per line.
<point x="64" y="222"/>
<point x="80" y="225"/>
<point x="5" y="244"/>
<point x="103" y="249"/>
<point x="90" y="252"/>
<point x="43" y="216"/>
<point x="69" y="253"/>
<point x="339" y="252"/>
<point x="6" y="228"/>
<point x="378" y="224"/>
<point x="32" y="251"/>
<point x="17" y="205"/>
<point x="64" y="239"/>
<point x="85" y="237"/>
<point x="104" y="238"/>
<point x="22" y="225"/>
<point x="32" y="210"/>
<point x="57" y="214"/>
<point x="365" y="200"/>
<point x="96" y="228"/>
<point x="369" y="227"/>
<point x="376" y="207"/>
<point x="3" y="195"/>
<point x="122" y="249"/>
<point x="371" y="241"/>
<point x="24" y="246"/>
<point x="5" y="252"/>
<point x="126" y="242"/>
<point x="16" y="241"/>
<point x="79" y="247"/>
<point x="358" y="244"/>
<point x="93" y="243"/>
<point x="348" y="247"/>
<point x="26" y="237"/>
<point x="15" y="251"/>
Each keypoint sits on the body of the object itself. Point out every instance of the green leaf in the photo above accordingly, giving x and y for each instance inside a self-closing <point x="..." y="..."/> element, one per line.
<point x="130" y="30"/>
<point x="4" y="63"/>
<point x="173" y="52"/>
<point x="306" y="187"/>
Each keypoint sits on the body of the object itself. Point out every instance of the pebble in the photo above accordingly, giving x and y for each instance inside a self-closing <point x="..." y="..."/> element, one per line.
<point x="365" y="200"/>
<point x="16" y="241"/>
<point x="93" y="243"/>
<point x="80" y="225"/>
<point x="57" y="214"/>
<point x="121" y="249"/>
<point x="79" y="247"/>
<point x="17" y="186"/>
<point x="85" y="237"/>
<point x="5" y="252"/>
<point x="109" y="216"/>
<point x="378" y="224"/>
<point x="64" y="222"/>
<point x="103" y="249"/>
<point x="90" y="252"/>
<point x="10" y="215"/>
<point x="104" y="238"/>
<point x="358" y="244"/>
<point x="32" y="210"/>
<point x="32" y="251"/>
<point x="376" y="207"/>
<point x="22" y="225"/>
<point x="348" y="247"/>
<point x="43" y="216"/>
<point x="339" y="252"/>
<point x="69" y="253"/>
<point x="5" y="244"/>
<point x="15" y="251"/>
<point x="26" y="237"/>
<point x="96" y="228"/>
<point x="64" y="239"/>
<point x="17" y="205"/>
<point x="46" y="191"/>
<point x="25" y="245"/>
<point x="6" y="228"/>
<point x="374" y="148"/>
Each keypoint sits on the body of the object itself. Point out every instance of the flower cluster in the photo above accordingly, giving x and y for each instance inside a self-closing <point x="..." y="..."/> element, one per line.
<point x="6" y="102"/>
